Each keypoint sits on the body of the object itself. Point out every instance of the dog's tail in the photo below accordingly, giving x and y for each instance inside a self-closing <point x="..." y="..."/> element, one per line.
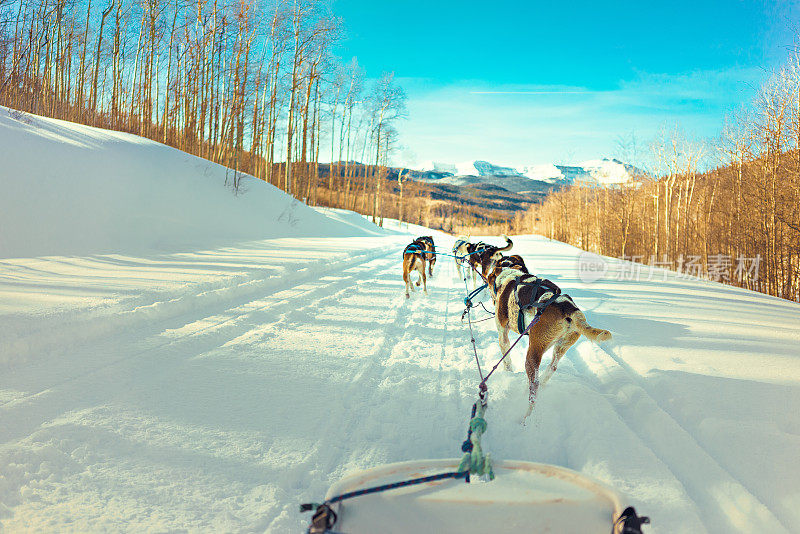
<point x="595" y="334"/>
<point x="508" y="246"/>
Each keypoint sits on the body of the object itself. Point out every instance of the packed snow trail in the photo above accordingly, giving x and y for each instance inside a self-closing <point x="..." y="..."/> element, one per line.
<point x="228" y="413"/>
<point x="176" y="357"/>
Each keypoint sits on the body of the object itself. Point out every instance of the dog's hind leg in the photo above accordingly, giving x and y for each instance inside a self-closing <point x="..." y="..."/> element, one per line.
<point x="561" y="347"/>
<point x="424" y="279"/>
<point x="533" y="389"/>
<point x="505" y="345"/>
<point x="532" y="362"/>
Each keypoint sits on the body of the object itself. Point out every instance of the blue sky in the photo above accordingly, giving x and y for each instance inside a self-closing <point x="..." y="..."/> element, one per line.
<point x="534" y="82"/>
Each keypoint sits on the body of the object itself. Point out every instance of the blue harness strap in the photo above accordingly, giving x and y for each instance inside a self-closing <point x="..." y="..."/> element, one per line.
<point x="468" y="298"/>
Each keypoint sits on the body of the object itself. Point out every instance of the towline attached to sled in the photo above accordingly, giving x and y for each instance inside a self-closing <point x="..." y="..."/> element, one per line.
<point x="506" y="496"/>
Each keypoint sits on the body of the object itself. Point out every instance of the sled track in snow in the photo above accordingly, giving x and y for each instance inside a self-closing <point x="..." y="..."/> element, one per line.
<point x="174" y="307"/>
<point x="243" y="311"/>
<point x="381" y="379"/>
<point x="402" y="376"/>
<point x="724" y="499"/>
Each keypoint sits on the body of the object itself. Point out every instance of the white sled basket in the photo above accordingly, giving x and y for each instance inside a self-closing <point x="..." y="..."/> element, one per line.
<point x="523" y="497"/>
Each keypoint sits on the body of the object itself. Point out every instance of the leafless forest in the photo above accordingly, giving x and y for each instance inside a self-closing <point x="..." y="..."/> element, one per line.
<point x="253" y="88"/>
<point x="746" y="207"/>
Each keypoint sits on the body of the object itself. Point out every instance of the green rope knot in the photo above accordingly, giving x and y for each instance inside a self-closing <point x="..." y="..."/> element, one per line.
<point x="475" y="461"/>
<point x="478" y="424"/>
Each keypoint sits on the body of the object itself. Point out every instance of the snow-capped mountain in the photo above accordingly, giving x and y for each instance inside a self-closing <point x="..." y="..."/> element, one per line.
<point x="470" y="168"/>
<point x="598" y="172"/>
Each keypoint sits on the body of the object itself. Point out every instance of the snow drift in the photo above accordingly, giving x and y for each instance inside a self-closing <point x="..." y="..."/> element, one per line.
<point x="70" y="190"/>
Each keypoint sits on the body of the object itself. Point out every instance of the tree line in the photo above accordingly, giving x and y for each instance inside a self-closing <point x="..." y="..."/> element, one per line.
<point x="738" y="218"/>
<point x="252" y="86"/>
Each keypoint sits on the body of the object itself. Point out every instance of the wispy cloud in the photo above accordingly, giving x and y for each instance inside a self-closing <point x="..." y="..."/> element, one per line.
<point x="519" y="125"/>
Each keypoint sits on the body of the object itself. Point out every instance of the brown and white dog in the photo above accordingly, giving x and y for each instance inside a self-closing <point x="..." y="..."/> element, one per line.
<point x="559" y="325"/>
<point x="414" y="260"/>
<point x="431" y="249"/>
<point x="482" y="256"/>
<point x="511" y="263"/>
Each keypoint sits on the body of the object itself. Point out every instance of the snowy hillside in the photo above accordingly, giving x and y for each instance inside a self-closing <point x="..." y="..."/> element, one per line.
<point x="72" y="189"/>
<point x="214" y="381"/>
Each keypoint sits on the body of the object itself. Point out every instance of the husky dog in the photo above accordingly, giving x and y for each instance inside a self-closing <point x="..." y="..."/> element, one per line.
<point x="505" y="266"/>
<point x="460" y="251"/>
<point x="485" y="256"/>
<point x="431" y="252"/>
<point x="520" y="299"/>
<point x="414" y="260"/>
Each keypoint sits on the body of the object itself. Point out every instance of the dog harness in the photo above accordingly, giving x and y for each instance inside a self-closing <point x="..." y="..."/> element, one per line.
<point x="428" y="239"/>
<point x="418" y="246"/>
<point x="415" y="247"/>
<point x="533" y="292"/>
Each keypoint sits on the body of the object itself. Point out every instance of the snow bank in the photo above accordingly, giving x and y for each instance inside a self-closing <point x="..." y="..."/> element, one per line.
<point x="69" y="189"/>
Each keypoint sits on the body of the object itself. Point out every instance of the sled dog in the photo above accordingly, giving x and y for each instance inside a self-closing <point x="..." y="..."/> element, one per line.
<point x="460" y="252"/>
<point x="508" y="265"/>
<point x="430" y="257"/>
<point x="483" y="256"/>
<point x="414" y="260"/>
<point x="520" y="298"/>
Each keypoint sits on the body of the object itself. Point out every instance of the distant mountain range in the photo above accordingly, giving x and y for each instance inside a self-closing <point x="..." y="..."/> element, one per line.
<point x="534" y="181"/>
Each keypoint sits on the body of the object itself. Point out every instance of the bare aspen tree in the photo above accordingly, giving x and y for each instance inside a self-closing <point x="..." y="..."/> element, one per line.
<point x="388" y="105"/>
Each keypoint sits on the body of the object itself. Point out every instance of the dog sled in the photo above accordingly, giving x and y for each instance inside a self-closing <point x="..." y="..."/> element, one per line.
<point x="475" y="494"/>
<point x="523" y="497"/>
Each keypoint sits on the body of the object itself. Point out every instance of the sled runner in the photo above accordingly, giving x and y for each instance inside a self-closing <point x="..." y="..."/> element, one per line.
<point x="523" y="497"/>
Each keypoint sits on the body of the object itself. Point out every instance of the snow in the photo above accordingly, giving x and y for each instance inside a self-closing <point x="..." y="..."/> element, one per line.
<point x="437" y="166"/>
<point x="219" y="373"/>
<point x="597" y="171"/>
<point x="605" y="171"/>
<point x="546" y="172"/>
<point x="69" y="190"/>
